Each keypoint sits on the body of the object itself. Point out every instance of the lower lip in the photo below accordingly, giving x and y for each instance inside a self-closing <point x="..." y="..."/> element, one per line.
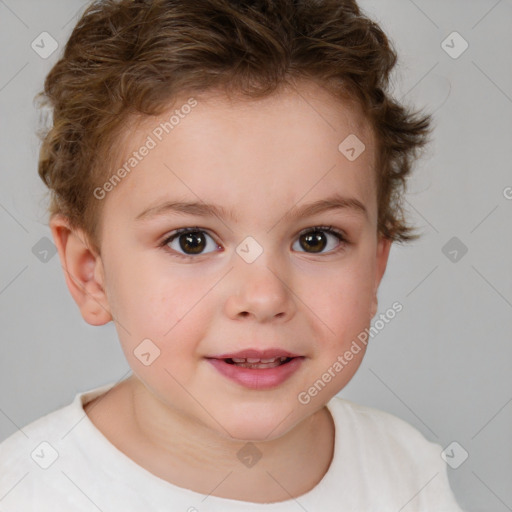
<point x="257" y="378"/>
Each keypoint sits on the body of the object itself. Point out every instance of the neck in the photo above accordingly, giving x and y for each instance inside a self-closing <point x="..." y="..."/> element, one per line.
<point x="188" y="454"/>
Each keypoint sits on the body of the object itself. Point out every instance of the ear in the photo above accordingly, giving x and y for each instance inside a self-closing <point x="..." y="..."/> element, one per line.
<point x="383" y="248"/>
<point x="83" y="271"/>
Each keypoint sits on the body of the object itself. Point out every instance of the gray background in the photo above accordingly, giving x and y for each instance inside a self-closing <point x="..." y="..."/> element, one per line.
<point x="443" y="364"/>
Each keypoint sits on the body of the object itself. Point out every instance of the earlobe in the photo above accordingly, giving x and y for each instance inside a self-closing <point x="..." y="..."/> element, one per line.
<point x="383" y="248"/>
<point x="83" y="271"/>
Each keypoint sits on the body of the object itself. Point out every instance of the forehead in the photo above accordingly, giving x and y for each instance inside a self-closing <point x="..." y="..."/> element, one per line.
<point x="245" y="153"/>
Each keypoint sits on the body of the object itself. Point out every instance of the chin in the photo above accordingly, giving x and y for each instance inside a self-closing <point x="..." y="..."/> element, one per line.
<point x="255" y="426"/>
<point x="253" y="433"/>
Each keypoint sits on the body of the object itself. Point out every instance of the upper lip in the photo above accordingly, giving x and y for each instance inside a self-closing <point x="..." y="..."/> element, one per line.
<point x="252" y="353"/>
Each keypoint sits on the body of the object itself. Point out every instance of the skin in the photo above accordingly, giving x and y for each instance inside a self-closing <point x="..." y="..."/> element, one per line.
<point x="179" y="417"/>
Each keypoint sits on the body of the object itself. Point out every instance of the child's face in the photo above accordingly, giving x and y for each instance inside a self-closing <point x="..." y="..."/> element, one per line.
<point x="262" y="161"/>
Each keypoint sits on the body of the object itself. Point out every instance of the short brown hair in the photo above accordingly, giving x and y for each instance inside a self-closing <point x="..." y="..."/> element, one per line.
<point x="129" y="58"/>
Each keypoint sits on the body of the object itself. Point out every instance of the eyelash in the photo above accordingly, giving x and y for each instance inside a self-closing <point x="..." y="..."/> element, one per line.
<point x="328" y="229"/>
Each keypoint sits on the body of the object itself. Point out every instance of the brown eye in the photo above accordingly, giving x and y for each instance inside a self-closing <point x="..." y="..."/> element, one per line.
<point x="313" y="241"/>
<point x="193" y="242"/>
<point x="316" y="240"/>
<point x="189" y="242"/>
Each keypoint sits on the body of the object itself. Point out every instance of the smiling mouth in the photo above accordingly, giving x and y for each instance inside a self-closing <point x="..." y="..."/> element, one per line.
<point x="262" y="371"/>
<point x="258" y="363"/>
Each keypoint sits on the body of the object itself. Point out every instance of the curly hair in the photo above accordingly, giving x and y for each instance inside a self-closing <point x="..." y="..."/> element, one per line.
<point x="129" y="58"/>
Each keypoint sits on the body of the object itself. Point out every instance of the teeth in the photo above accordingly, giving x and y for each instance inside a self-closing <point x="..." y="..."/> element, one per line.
<point x="252" y="360"/>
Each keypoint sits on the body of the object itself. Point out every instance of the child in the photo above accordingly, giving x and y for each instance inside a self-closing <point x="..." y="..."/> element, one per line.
<point x="226" y="183"/>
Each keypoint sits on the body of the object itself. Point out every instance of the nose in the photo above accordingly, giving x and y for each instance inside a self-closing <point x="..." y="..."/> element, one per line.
<point x="260" y="292"/>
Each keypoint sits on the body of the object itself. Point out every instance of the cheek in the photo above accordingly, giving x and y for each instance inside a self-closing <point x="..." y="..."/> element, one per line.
<point x="343" y="302"/>
<point x="172" y="310"/>
<point x="142" y="295"/>
<point x="156" y="310"/>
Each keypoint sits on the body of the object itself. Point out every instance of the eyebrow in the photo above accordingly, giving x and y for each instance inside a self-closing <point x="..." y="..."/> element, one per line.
<point x="201" y="209"/>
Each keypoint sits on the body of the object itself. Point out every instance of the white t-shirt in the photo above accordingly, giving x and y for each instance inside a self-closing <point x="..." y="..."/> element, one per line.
<point x="63" y="463"/>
